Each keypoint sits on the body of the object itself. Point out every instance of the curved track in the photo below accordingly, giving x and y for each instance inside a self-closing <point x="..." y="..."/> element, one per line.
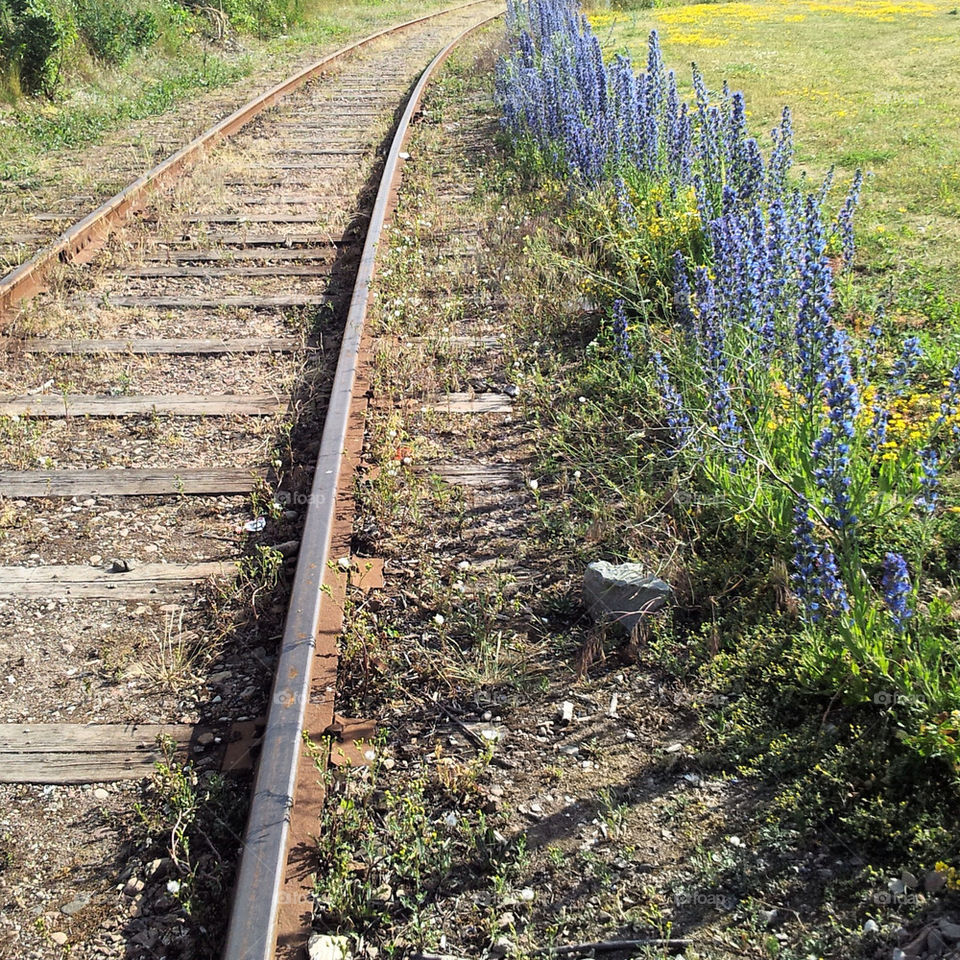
<point x="171" y="372"/>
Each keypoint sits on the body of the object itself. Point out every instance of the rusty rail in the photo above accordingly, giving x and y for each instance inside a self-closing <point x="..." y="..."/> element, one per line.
<point x="252" y="931"/>
<point x="27" y="279"/>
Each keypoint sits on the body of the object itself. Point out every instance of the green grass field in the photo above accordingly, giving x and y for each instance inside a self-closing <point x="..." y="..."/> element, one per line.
<point x="871" y="84"/>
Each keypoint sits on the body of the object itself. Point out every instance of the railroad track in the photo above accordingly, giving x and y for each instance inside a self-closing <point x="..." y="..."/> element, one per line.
<point x="164" y="381"/>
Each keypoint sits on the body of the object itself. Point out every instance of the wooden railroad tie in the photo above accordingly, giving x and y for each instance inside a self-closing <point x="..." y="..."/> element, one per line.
<point x="211" y="303"/>
<point x="147" y="347"/>
<point x="259" y="239"/>
<point x="139" y="582"/>
<point x="127" y="482"/>
<point x="324" y="250"/>
<point x="65" y="753"/>
<point x="102" y="753"/>
<point x="181" y="405"/>
<point x="274" y="270"/>
<point x="472" y="403"/>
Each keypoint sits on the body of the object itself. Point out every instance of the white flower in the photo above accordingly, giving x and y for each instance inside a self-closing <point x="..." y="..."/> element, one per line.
<point x="438" y="619"/>
<point x="173" y="886"/>
<point x="577" y="474"/>
<point x="581" y="399"/>
<point x="532" y="484"/>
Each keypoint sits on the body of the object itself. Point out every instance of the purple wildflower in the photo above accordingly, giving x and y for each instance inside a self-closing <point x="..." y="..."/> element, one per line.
<point x="897" y="590"/>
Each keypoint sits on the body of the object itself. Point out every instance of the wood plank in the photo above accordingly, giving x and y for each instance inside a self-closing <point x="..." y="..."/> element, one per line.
<point x="32" y="738"/>
<point x="471" y="403"/>
<point x="12" y="239"/>
<point x="486" y="476"/>
<point x="212" y="303"/>
<point x="76" y="768"/>
<point x="276" y="270"/>
<point x="327" y="251"/>
<point x="262" y="239"/>
<point x="126" y="482"/>
<point x="287" y="199"/>
<point x="142" y="582"/>
<point x="151" y="347"/>
<point x="442" y="340"/>
<point x="290" y="182"/>
<point x="252" y="218"/>
<point x="290" y="165"/>
<point x="183" y="405"/>
<point x="86" y="753"/>
<point x="321" y="152"/>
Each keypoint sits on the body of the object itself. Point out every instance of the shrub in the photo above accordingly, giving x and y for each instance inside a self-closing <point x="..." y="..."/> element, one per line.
<point x="112" y="31"/>
<point x="33" y="43"/>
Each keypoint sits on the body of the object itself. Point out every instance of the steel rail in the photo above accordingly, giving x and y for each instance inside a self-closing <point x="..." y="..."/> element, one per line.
<point x="251" y="933"/>
<point x="27" y="279"/>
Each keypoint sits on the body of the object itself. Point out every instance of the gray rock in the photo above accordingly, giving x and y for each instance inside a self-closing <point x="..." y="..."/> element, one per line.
<point x="75" y="906"/>
<point x="950" y="930"/>
<point x="622" y="594"/>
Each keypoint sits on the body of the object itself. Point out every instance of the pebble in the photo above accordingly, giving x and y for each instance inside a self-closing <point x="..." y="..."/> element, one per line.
<point x="58" y="938"/>
<point x="101" y="794"/>
<point x="76" y="905"/>
<point x="133" y="886"/>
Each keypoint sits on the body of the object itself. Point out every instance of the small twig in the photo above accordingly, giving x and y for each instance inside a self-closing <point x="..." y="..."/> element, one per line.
<point x="474" y="738"/>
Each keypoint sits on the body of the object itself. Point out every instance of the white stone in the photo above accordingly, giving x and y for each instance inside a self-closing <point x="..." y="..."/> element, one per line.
<point x="321" y="946"/>
<point x="622" y="594"/>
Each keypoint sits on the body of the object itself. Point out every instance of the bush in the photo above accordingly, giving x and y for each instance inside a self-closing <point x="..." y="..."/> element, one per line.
<point x="35" y="37"/>
<point x="112" y="32"/>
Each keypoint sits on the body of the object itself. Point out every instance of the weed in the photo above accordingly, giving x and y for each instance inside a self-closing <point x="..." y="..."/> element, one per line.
<point x="259" y="573"/>
<point x="179" y="653"/>
<point x="386" y="858"/>
<point x="197" y="817"/>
